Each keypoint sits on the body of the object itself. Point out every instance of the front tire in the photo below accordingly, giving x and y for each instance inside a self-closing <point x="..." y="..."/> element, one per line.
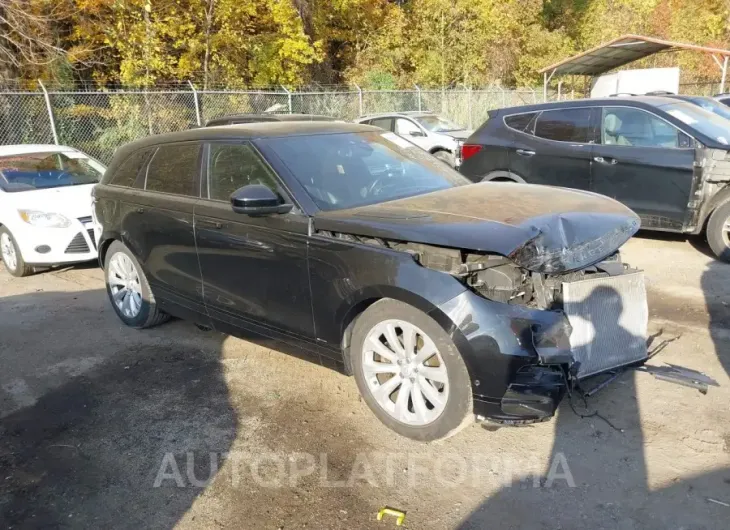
<point x="128" y="289"/>
<point x="718" y="232"/>
<point x="11" y="256"/>
<point x="410" y="373"/>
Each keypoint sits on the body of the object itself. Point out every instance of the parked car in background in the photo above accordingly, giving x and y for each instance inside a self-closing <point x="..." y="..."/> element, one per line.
<point x="45" y="206"/>
<point x="231" y="119"/>
<point x="429" y="131"/>
<point x="664" y="158"/>
<point x="351" y="245"/>
<point x="707" y="103"/>
<point x="723" y="98"/>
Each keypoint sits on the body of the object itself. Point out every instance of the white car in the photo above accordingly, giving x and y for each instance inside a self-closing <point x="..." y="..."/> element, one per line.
<point x="45" y="206"/>
<point x="429" y="131"/>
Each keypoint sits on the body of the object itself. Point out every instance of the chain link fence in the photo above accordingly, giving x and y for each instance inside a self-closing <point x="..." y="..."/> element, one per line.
<point x="99" y="122"/>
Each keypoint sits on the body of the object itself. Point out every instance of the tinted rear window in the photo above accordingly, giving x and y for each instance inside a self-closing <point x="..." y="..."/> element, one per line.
<point x="126" y="173"/>
<point x="564" y="125"/>
<point x="520" y="122"/>
<point x="173" y="169"/>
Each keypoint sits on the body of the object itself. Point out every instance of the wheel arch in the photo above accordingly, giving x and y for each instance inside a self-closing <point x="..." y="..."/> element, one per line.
<point x="367" y="298"/>
<point x="503" y="176"/>
<point x="717" y="200"/>
<point x="438" y="148"/>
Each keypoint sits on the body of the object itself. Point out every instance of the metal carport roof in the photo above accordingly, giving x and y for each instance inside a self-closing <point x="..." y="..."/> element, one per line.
<point x="624" y="50"/>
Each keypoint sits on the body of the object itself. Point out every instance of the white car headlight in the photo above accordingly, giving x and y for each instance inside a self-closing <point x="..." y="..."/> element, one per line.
<point x="44" y="219"/>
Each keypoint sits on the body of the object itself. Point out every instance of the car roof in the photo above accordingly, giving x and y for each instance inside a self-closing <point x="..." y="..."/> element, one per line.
<point x="407" y="113"/>
<point x="631" y="101"/>
<point x="22" y="149"/>
<point x="267" y="129"/>
<point x="272" y="117"/>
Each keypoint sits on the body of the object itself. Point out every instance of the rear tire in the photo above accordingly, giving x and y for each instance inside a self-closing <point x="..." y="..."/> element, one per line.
<point x="128" y="289"/>
<point x="11" y="256"/>
<point x="438" y="402"/>
<point x="718" y="232"/>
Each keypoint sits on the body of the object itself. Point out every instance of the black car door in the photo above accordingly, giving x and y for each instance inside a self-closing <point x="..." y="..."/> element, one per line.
<point x="555" y="148"/>
<point x="646" y="163"/>
<point x="254" y="268"/>
<point x="158" y="226"/>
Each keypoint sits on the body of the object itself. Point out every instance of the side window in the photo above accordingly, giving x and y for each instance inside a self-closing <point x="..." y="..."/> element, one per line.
<point x="126" y="173"/>
<point x="521" y="122"/>
<point x="173" y="169"/>
<point x="232" y="166"/>
<point x="635" y="127"/>
<point x="407" y="128"/>
<point x="564" y="125"/>
<point x="383" y="123"/>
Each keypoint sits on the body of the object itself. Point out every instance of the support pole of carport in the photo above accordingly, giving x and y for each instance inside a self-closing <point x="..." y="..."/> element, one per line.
<point x="546" y="79"/>
<point x="723" y="68"/>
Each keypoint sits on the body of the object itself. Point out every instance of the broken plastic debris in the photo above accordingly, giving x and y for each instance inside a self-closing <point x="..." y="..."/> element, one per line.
<point x="399" y="515"/>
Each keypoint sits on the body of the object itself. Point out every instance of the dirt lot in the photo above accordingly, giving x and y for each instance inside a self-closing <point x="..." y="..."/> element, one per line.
<point x="103" y="426"/>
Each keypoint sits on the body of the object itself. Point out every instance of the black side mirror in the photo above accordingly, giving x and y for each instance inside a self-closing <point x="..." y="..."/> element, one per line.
<point x="257" y="199"/>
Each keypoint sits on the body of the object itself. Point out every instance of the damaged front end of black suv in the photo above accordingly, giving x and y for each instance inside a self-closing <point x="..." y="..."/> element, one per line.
<point x="547" y="301"/>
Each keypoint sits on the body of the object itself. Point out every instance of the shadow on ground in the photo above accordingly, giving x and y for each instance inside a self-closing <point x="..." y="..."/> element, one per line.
<point x="615" y="470"/>
<point x="86" y="451"/>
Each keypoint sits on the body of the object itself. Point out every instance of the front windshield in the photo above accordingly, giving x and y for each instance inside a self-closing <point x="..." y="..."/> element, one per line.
<point x="354" y="169"/>
<point x="35" y="171"/>
<point x="435" y="123"/>
<point x="709" y="124"/>
<point x="712" y="105"/>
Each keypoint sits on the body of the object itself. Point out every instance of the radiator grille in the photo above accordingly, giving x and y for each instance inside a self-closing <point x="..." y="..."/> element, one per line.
<point x="609" y="317"/>
<point x="78" y="245"/>
<point x="92" y="236"/>
<point x="85" y="220"/>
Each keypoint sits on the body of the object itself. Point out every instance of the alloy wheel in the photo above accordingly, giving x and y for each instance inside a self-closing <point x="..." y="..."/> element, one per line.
<point x="405" y="372"/>
<point x="7" y="248"/>
<point x="125" y="285"/>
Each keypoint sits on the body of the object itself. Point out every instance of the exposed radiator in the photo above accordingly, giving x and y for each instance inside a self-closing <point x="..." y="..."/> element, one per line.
<point x="609" y="317"/>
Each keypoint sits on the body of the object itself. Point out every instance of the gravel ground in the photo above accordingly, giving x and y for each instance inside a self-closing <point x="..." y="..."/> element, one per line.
<point x="102" y="426"/>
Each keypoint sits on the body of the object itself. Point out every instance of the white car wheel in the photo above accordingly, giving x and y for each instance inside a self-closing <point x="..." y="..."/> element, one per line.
<point x="11" y="256"/>
<point x="410" y="372"/>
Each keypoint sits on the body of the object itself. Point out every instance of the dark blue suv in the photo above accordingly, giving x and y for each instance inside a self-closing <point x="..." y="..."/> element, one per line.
<point x="665" y="158"/>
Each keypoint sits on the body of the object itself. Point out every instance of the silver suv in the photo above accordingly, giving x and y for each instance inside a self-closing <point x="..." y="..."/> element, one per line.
<point x="427" y="130"/>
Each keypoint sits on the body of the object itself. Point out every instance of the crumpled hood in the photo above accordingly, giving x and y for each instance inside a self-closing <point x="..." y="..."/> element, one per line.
<point x="71" y="201"/>
<point x="541" y="228"/>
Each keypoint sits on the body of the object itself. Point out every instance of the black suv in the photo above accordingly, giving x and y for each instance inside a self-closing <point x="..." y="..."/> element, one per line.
<point x="352" y="246"/>
<point x="665" y="158"/>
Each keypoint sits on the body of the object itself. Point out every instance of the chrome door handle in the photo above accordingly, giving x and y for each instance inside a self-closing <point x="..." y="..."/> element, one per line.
<point x="609" y="161"/>
<point x="525" y="152"/>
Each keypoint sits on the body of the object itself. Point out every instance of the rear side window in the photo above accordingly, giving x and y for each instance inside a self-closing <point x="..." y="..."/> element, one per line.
<point x="564" y="125"/>
<point x="521" y="122"/>
<point x="383" y="123"/>
<point x="173" y="169"/>
<point x="126" y="173"/>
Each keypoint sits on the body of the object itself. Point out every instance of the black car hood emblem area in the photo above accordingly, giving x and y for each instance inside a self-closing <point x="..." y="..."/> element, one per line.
<point x="541" y="228"/>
